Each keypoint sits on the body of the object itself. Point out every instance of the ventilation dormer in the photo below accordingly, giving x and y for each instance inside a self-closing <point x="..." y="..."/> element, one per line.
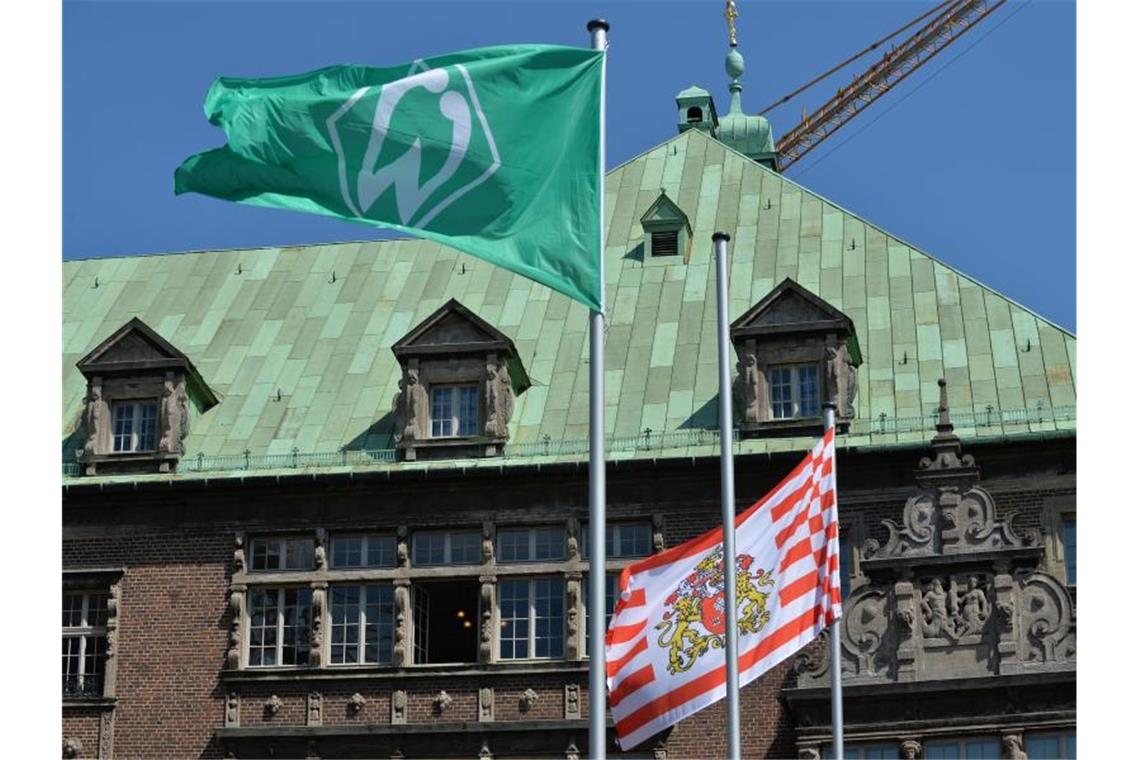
<point x="668" y="234"/>
<point x="795" y="352"/>
<point x="695" y="110"/>
<point x="459" y="380"/>
<point x="137" y="409"/>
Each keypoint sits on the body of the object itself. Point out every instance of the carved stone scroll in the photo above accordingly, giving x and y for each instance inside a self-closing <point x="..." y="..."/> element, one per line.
<point x="1046" y="625"/>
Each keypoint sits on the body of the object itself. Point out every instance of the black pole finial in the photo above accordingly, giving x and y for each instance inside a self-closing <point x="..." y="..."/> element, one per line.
<point x="597" y="23"/>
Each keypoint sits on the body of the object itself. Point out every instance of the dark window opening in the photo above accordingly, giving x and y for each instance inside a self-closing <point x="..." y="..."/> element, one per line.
<point x="664" y="243"/>
<point x="445" y="622"/>
<point x="694" y="114"/>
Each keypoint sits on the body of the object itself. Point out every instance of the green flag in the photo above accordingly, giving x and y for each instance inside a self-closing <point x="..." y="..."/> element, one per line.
<point x="491" y="151"/>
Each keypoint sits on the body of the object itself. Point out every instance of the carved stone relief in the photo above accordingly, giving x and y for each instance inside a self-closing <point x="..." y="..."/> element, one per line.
<point x="313" y="709"/>
<point x="955" y="607"/>
<point x="572" y="702"/>
<point x="488" y="542"/>
<point x="749" y="386"/>
<point x="486" y="704"/>
<point x="356" y="703"/>
<point x="441" y="702"/>
<point x="237" y="612"/>
<point x="1047" y="628"/>
<point x="173" y="415"/>
<point x="573" y="600"/>
<point x="1013" y="746"/>
<point x="485" y="751"/>
<point x="409" y="404"/>
<point x="316" y="629"/>
<point x="809" y="753"/>
<point x="72" y="747"/>
<point x="658" y="532"/>
<point x="910" y="749"/>
<point x="107" y="735"/>
<point x="842" y="380"/>
<point x="500" y="397"/>
<point x="572" y="550"/>
<point x="401" y="635"/>
<point x="528" y="700"/>
<point x="487" y="621"/>
<point x="273" y="705"/>
<point x="399" y="706"/>
<point x="233" y="710"/>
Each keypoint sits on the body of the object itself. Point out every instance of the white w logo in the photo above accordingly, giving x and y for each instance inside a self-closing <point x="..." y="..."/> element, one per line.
<point x="404" y="172"/>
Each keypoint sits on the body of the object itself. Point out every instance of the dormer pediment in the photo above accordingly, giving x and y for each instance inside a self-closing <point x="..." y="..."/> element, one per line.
<point x="663" y="213"/>
<point x="136" y="348"/>
<point x="455" y="330"/>
<point x="792" y="307"/>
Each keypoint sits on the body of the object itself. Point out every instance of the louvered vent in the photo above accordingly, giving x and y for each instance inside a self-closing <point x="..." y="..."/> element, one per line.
<point x="664" y="243"/>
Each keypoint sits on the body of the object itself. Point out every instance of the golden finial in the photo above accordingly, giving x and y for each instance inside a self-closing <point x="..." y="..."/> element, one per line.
<point x="730" y="13"/>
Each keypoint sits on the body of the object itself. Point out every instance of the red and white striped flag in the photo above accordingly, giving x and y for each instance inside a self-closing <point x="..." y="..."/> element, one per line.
<point x="661" y="658"/>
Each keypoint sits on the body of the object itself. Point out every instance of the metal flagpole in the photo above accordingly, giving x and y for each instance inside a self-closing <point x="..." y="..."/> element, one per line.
<point x="727" y="499"/>
<point x="597" y="581"/>
<point x="836" y="670"/>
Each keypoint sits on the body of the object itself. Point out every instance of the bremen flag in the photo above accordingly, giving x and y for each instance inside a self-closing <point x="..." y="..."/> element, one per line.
<point x="661" y="658"/>
<point x="492" y="151"/>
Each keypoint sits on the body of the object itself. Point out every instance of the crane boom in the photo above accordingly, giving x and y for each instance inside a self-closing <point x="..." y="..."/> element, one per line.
<point x="895" y="66"/>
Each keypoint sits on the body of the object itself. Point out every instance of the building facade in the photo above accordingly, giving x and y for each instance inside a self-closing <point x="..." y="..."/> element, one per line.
<point x="330" y="501"/>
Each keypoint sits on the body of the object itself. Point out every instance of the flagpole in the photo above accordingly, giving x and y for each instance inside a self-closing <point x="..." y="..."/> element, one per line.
<point x="598" y="29"/>
<point x="836" y="669"/>
<point x="727" y="500"/>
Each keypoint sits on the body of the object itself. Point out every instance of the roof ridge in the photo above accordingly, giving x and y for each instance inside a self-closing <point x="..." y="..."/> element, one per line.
<point x="888" y="233"/>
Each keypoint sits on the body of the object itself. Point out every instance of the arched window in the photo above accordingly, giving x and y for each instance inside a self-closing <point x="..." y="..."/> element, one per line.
<point x="694" y="114"/>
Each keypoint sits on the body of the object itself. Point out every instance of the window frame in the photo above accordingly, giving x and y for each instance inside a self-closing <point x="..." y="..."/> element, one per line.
<point x="364" y="539"/>
<point x="613" y="540"/>
<point x="278" y="628"/>
<point x="282" y="542"/>
<point x="1066" y="519"/>
<point x="795" y="386"/>
<point x="532" y="639"/>
<point x="135" y="429"/>
<point x="455" y="405"/>
<point x="532" y="543"/>
<point x="1063" y="736"/>
<point x="962" y="744"/>
<point x="84" y="632"/>
<point x="447" y="548"/>
<point x="361" y="624"/>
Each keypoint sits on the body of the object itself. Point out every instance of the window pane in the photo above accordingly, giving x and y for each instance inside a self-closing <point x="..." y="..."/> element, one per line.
<point x="344" y="613"/>
<point x="295" y="630"/>
<point x="381" y="551"/>
<point x="1047" y="746"/>
<point x="71" y="664"/>
<point x="943" y="749"/>
<point x="121" y="424"/>
<point x="549" y="543"/>
<point x="148" y="425"/>
<point x="514" y="619"/>
<point x="427" y="548"/>
<point x="809" y="391"/>
<point x="299" y="554"/>
<point x="780" y="392"/>
<point x="1069" y="539"/>
<point x="549" y="605"/>
<point x="264" y="554"/>
<point x="844" y="565"/>
<point x="983" y="749"/>
<point x="378" y="624"/>
<point x="514" y="545"/>
<point x="465" y="548"/>
<point x="441" y="412"/>
<point x="468" y="410"/>
<point x="345" y="551"/>
<point x="72" y="610"/>
<point x="263" y="627"/>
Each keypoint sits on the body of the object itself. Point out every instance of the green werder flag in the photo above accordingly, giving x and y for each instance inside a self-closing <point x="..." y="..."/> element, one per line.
<point x="491" y="151"/>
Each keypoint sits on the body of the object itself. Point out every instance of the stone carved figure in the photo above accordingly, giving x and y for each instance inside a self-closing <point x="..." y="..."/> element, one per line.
<point x="400" y="603"/>
<point x="910" y="749"/>
<point x="809" y="753"/>
<point x="935" y="613"/>
<point x="975" y="609"/>
<point x="233" y="709"/>
<point x="273" y="705"/>
<point x="487" y="624"/>
<point x="239" y="553"/>
<point x="313" y="713"/>
<point x="356" y="703"/>
<point x="1013" y="748"/>
<point x="441" y="701"/>
<point x="72" y="747"/>
<point x="237" y="608"/>
<point x="316" y="629"/>
<point x="745" y="387"/>
<point x="573" y="594"/>
<point x="485" y="752"/>
<point x="173" y="416"/>
<point x="402" y="546"/>
<point x="486" y="704"/>
<point x="407" y="404"/>
<point x="94" y="418"/>
<point x="500" y="397"/>
<point x="842" y="383"/>
<point x="572" y="538"/>
<point x="573" y="703"/>
<point x="488" y="545"/>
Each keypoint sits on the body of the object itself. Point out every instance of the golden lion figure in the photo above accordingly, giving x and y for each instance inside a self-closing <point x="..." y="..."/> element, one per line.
<point x="698" y="603"/>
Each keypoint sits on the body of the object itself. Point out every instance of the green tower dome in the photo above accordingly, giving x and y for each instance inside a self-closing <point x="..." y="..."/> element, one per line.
<point x="748" y="134"/>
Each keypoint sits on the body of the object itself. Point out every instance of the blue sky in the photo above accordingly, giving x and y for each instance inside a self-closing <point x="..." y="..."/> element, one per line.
<point x="971" y="159"/>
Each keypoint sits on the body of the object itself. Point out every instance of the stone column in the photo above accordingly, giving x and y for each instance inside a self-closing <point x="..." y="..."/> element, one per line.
<point x="573" y="603"/>
<point x="908" y="628"/>
<point x="402" y="628"/>
<point x="487" y="619"/>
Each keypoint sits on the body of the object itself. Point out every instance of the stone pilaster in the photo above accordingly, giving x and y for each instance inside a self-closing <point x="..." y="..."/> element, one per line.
<point x="486" y="618"/>
<point x="402" y="633"/>
<point x="573" y="604"/>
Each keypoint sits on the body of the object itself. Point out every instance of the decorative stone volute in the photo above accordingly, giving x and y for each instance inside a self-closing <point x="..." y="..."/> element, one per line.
<point x="793" y="326"/>
<point x="136" y="365"/>
<point x="455" y="347"/>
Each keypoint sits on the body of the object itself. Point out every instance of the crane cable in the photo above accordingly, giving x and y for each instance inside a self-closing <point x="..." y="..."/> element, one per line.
<point x="857" y="56"/>
<point x="916" y="88"/>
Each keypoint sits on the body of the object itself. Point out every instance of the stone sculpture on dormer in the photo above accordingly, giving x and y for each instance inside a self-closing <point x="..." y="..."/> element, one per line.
<point x="409" y="404"/>
<point x="842" y="379"/>
<point x="500" y="397"/>
<point x="748" y="385"/>
<point x="173" y="415"/>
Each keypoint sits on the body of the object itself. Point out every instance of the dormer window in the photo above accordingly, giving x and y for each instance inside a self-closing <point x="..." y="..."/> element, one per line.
<point x="667" y="232"/>
<point x="795" y="351"/>
<point x="793" y="390"/>
<point x="135" y="425"/>
<point x="460" y="378"/>
<point x="136" y="413"/>
<point x="454" y="410"/>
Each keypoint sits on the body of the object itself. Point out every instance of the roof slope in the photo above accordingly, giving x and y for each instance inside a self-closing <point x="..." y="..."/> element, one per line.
<point x="317" y="322"/>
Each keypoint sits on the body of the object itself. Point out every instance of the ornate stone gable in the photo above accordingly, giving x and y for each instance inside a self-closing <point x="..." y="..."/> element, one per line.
<point x="455" y="347"/>
<point x="955" y="592"/>
<point x="791" y="326"/>
<point x="137" y="365"/>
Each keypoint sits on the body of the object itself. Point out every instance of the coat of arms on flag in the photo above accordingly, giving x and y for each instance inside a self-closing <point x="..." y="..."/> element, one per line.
<point x="671" y="612"/>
